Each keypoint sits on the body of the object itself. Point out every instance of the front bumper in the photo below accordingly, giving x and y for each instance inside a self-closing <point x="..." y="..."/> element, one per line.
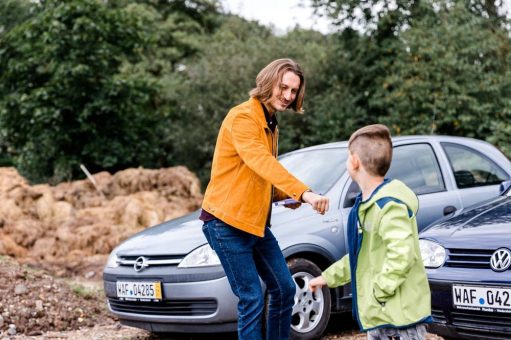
<point x="193" y="306"/>
<point x="450" y="322"/>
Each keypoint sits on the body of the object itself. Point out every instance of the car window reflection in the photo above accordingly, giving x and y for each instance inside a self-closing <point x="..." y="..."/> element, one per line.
<point x="319" y="169"/>
<point x="417" y="166"/>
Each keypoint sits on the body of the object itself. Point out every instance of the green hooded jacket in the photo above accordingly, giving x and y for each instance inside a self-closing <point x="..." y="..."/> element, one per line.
<point x="390" y="287"/>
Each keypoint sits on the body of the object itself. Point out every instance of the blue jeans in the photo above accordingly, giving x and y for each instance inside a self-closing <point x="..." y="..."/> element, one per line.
<point x="245" y="258"/>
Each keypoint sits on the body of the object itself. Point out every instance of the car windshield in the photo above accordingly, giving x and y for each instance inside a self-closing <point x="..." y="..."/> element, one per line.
<point x="318" y="168"/>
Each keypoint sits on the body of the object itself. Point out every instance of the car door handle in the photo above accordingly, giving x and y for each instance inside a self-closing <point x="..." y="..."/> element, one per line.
<point x="449" y="210"/>
<point x="330" y="220"/>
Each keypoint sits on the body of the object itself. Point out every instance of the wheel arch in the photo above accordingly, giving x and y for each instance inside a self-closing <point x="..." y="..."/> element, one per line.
<point x="323" y="259"/>
<point x="311" y="252"/>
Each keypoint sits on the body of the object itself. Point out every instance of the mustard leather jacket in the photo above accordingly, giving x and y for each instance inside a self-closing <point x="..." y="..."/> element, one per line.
<point x="244" y="169"/>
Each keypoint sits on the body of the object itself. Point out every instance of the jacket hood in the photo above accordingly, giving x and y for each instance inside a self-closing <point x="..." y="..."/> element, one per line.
<point x="394" y="189"/>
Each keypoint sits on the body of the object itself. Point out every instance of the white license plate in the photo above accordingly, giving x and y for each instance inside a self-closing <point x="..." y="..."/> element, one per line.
<point x="131" y="290"/>
<point x="482" y="298"/>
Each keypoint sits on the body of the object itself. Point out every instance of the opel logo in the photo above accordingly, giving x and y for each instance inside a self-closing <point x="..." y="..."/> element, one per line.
<point x="500" y="260"/>
<point x="140" y="263"/>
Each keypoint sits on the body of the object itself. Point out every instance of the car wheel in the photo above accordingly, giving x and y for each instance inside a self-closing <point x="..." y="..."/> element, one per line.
<point x="311" y="311"/>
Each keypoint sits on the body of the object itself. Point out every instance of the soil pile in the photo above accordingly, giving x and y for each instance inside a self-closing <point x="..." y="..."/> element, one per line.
<point x="72" y="227"/>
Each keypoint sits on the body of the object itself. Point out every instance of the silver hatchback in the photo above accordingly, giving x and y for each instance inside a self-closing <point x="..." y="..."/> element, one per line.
<point x="167" y="279"/>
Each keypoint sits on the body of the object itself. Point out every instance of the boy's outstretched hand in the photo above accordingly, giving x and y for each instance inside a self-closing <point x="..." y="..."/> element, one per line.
<point x="318" y="202"/>
<point x="317" y="282"/>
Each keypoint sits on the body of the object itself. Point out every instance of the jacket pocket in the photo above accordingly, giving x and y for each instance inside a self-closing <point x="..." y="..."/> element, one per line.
<point x="249" y="199"/>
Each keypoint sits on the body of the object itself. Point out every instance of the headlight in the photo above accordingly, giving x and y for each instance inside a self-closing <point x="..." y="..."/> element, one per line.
<point x="112" y="260"/>
<point x="433" y="254"/>
<point x="200" y="257"/>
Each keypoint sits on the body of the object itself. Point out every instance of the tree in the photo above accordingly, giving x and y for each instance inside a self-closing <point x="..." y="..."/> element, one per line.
<point x="435" y="66"/>
<point x="450" y="77"/>
<point x="65" y="99"/>
<point x="14" y="12"/>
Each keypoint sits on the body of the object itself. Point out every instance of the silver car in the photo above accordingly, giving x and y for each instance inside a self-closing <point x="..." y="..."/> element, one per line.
<point x="167" y="278"/>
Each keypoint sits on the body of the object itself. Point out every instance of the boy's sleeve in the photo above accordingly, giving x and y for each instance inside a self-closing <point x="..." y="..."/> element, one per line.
<point x="339" y="273"/>
<point x="396" y="233"/>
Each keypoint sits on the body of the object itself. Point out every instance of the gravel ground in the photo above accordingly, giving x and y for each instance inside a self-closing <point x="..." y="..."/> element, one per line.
<point x="339" y="329"/>
<point x="36" y="305"/>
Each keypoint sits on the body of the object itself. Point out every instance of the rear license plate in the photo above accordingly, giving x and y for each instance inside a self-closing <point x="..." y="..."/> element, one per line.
<point x="143" y="291"/>
<point x="482" y="298"/>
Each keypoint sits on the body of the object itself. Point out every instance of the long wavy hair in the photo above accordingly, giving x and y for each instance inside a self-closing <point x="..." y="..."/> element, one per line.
<point x="271" y="75"/>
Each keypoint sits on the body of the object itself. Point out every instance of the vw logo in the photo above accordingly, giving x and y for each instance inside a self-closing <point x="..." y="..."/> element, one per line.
<point x="140" y="263"/>
<point x="500" y="260"/>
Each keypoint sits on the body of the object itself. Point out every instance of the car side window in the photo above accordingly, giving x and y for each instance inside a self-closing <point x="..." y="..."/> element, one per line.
<point x="471" y="168"/>
<point x="416" y="165"/>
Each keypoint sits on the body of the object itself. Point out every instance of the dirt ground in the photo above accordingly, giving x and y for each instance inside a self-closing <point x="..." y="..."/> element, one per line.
<point x="54" y="239"/>
<point x="36" y="305"/>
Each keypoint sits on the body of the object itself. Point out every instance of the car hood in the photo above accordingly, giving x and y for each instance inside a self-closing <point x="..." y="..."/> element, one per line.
<point x="484" y="226"/>
<point x="182" y="235"/>
<point x="174" y="237"/>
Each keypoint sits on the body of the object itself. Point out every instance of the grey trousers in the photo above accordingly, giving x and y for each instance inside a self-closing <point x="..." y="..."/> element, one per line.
<point x="417" y="332"/>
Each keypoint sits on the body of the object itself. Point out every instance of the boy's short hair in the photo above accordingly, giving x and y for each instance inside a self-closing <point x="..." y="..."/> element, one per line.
<point x="372" y="144"/>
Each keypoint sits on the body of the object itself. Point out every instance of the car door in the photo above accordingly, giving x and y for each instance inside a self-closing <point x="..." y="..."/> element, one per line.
<point x="477" y="177"/>
<point x="321" y="170"/>
<point x="417" y="166"/>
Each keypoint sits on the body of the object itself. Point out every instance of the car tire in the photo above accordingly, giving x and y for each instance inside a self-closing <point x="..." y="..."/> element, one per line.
<point x="311" y="311"/>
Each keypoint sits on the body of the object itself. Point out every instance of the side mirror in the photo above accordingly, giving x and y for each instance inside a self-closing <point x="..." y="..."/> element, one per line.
<point x="350" y="199"/>
<point x="351" y="196"/>
<point x="504" y="186"/>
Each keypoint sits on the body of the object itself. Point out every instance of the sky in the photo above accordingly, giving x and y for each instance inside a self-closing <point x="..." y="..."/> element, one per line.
<point x="284" y="15"/>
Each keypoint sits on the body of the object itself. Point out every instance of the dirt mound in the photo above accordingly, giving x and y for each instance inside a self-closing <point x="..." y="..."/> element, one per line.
<point x="34" y="302"/>
<point x="72" y="227"/>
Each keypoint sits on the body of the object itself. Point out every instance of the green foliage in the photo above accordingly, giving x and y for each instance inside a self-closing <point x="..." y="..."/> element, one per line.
<point x="14" y="12"/>
<point x="455" y="84"/>
<point x="65" y="100"/>
<point x="425" y="67"/>
<point x="75" y="89"/>
<point x="114" y="84"/>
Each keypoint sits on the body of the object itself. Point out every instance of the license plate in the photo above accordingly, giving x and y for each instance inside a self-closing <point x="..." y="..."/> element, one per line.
<point x="482" y="298"/>
<point x="139" y="291"/>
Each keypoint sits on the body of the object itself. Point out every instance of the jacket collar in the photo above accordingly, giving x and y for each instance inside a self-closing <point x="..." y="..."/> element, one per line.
<point x="364" y="203"/>
<point x="257" y="106"/>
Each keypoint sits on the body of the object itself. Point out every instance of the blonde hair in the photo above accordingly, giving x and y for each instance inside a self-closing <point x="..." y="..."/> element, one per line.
<point x="372" y="144"/>
<point x="271" y="75"/>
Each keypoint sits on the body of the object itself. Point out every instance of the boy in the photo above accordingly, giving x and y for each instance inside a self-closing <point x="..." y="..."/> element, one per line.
<point x="390" y="290"/>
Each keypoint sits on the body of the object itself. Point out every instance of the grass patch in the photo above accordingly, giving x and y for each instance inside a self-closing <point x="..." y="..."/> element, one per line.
<point x="82" y="291"/>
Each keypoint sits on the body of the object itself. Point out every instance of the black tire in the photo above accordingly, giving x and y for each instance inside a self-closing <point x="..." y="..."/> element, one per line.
<point x="311" y="312"/>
